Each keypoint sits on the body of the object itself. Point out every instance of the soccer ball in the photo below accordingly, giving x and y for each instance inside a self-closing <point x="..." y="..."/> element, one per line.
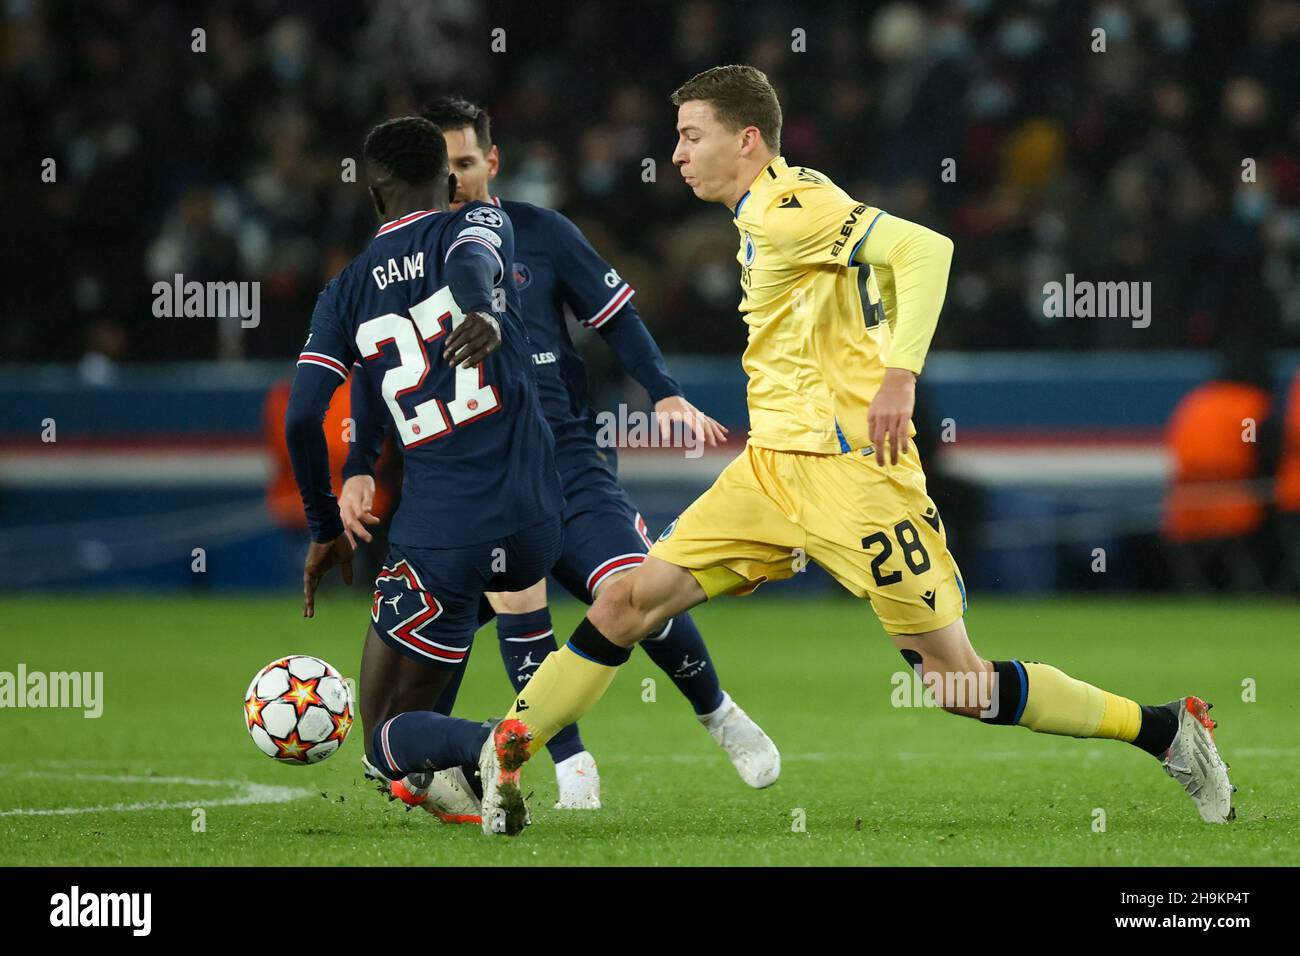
<point x="298" y="710"/>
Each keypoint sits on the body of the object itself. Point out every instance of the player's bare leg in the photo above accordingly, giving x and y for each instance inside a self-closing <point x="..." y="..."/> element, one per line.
<point x="518" y="602"/>
<point x="576" y="776"/>
<point x="946" y="658"/>
<point x="1046" y="700"/>
<point x="643" y="599"/>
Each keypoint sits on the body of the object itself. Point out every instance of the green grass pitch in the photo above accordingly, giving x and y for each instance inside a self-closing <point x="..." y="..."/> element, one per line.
<point x="874" y="784"/>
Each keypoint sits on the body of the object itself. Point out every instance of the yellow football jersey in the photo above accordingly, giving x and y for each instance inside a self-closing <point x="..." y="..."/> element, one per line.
<point x="819" y="333"/>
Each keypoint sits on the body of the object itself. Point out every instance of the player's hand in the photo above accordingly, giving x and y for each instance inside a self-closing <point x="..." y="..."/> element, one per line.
<point x="355" y="504"/>
<point x="321" y="556"/>
<point x="701" y="425"/>
<point x="477" y="337"/>
<point x="890" y="412"/>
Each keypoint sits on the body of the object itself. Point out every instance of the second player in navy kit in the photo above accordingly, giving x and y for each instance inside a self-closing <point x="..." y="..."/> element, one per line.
<point x="557" y="271"/>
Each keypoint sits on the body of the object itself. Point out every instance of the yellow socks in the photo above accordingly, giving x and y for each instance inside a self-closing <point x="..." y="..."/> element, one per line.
<point x="568" y="683"/>
<point x="1049" y="701"/>
<point x="1056" y="703"/>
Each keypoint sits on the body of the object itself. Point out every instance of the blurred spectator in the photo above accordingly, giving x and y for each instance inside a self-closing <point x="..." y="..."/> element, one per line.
<point x="105" y="348"/>
<point x="1288" y="489"/>
<point x="1223" y="442"/>
<point x="1127" y="164"/>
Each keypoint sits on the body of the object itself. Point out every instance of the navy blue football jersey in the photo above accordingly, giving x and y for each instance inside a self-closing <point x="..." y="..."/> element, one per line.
<point x="556" y="269"/>
<point x="479" y="457"/>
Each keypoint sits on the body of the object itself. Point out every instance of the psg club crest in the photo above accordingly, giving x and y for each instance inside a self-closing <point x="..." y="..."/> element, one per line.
<point x="522" y="276"/>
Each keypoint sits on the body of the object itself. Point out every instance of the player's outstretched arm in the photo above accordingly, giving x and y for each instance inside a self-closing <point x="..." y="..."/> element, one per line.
<point x="597" y="294"/>
<point x="313" y="384"/>
<point x="675" y="408"/>
<point x="640" y="357"/>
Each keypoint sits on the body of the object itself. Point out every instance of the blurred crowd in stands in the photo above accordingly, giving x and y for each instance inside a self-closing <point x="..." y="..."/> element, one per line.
<point x="227" y="163"/>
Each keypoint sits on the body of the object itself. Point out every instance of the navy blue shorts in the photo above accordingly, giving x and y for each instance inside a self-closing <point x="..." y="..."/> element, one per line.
<point x="603" y="532"/>
<point x="426" y="602"/>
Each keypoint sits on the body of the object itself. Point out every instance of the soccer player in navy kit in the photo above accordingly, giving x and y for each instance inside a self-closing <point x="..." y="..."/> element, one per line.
<point x="604" y="535"/>
<point x="423" y="311"/>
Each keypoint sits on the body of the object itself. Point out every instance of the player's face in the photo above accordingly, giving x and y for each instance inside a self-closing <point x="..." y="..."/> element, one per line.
<point x="707" y="153"/>
<point x="473" y="167"/>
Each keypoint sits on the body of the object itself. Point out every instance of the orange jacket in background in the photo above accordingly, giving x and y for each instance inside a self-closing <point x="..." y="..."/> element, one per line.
<point x="1205" y="442"/>
<point x="282" y="497"/>
<point x="1288" y="469"/>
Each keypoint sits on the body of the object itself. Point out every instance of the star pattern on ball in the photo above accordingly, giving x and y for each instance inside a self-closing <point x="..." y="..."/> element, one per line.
<point x="342" y="724"/>
<point x="287" y="743"/>
<point x="253" y="711"/>
<point x="302" y="693"/>
<point x="291" y="748"/>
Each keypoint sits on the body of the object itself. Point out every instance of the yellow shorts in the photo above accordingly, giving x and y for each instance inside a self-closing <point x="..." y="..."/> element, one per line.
<point x="874" y="529"/>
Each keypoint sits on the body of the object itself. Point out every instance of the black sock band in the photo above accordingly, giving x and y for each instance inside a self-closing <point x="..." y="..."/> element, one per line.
<point x="1010" y="686"/>
<point x="1156" y="733"/>
<point x="590" y="643"/>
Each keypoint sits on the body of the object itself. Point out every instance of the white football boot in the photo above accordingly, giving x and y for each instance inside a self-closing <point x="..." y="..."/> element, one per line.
<point x="446" y="794"/>
<point x="1193" y="760"/>
<point x="752" y="752"/>
<point x="579" y="782"/>
<point x="504" y="753"/>
<point x="372" y="773"/>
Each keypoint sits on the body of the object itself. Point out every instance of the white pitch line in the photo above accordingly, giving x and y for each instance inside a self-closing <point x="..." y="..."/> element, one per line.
<point x="127" y="778"/>
<point x="252" y="793"/>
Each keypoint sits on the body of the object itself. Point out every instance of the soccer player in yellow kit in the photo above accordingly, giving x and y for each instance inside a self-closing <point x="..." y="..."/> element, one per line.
<point x="841" y="300"/>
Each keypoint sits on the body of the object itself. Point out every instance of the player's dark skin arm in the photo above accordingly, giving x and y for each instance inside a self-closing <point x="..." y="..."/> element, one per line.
<point x="321" y="556"/>
<point x="477" y="337"/>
